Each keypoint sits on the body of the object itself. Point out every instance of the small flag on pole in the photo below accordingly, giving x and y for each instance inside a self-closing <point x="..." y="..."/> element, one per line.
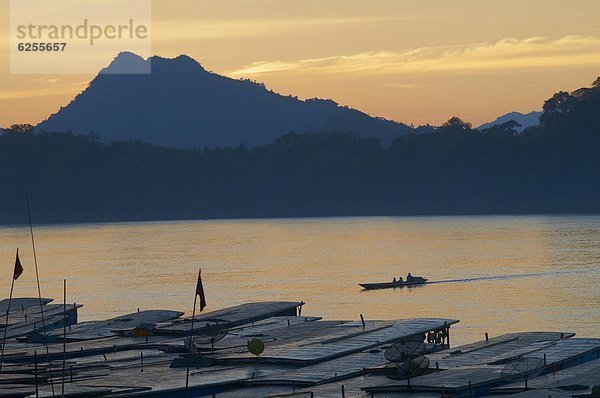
<point x="18" y="267"/>
<point x="200" y="291"/>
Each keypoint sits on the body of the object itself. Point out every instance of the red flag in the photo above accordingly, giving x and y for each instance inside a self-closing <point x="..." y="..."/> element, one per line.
<point x="200" y="291"/>
<point x="18" y="267"/>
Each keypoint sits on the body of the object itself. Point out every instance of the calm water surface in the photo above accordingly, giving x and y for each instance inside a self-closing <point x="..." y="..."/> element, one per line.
<point x="551" y="264"/>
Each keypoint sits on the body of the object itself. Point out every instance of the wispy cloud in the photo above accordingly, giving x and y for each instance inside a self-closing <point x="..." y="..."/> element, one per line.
<point x="49" y="80"/>
<point x="404" y="86"/>
<point x="534" y="52"/>
<point x="66" y="89"/>
<point x="198" y="29"/>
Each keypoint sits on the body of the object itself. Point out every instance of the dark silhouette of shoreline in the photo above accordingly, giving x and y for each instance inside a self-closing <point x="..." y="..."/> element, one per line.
<point x="551" y="168"/>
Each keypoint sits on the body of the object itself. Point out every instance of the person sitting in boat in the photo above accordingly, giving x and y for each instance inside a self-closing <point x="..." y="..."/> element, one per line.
<point x="409" y="278"/>
<point x="400" y="280"/>
<point x="394" y="281"/>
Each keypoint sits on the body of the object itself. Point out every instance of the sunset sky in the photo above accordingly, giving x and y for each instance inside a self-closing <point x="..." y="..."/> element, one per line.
<point x="415" y="61"/>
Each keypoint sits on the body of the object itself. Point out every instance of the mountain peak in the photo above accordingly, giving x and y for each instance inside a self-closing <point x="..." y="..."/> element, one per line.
<point x="179" y="104"/>
<point x="524" y="119"/>
<point x="179" y="64"/>
<point x="127" y="63"/>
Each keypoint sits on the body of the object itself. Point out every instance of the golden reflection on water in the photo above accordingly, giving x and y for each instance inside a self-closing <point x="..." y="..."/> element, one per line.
<point x="116" y="268"/>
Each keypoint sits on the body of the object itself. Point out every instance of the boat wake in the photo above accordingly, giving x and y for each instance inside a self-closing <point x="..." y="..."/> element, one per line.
<point x="506" y="277"/>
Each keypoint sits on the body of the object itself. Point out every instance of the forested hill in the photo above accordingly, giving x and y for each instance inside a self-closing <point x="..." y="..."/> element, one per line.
<point x="554" y="167"/>
<point x="182" y="105"/>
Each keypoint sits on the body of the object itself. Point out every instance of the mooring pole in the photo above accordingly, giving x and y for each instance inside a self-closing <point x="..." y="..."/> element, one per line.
<point x="35" y="373"/>
<point x="187" y="372"/>
<point x="37" y="278"/>
<point x="64" y="359"/>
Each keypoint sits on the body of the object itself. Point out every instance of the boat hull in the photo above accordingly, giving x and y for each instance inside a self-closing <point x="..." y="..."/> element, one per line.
<point x="391" y="285"/>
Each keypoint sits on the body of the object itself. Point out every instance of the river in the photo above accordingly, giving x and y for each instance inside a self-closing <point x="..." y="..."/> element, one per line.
<point x="531" y="272"/>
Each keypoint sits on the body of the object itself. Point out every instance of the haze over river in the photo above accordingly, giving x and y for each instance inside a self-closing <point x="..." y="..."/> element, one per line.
<point x="531" y="272"/>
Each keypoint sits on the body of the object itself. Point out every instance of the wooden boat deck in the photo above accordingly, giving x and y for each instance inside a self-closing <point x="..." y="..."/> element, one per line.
<point x="303" y="355"/>
<point x="20" y="353"/>
<point x="108" y="328"/>
<point x="239" y="315"/>
<point x="337" y="369"/>
<point x="157" y="380"/>
<point x="345" y="339"/>
<point x="563" y="352"/>
<point x="272" y="331"/>
<point x="496" y="349"/>
<point x="29" y="320"/>
<point x="584" y="375"/>
<point x="19" y="304"/>
<point x="545" y="393"/>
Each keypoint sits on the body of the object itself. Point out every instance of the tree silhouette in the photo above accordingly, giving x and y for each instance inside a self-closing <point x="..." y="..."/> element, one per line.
<point x="509" y="127"/>
<point x="19" y="128"/>
<point x="456" y="124"/>
<point x="560" y="104"/>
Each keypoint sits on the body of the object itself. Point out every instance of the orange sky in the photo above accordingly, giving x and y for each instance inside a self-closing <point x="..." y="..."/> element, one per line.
<point x="416" y="61"/>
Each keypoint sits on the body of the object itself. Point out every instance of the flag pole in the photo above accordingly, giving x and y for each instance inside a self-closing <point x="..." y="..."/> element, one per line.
<point x="195" y="300"/>
<point x="12" y="285"/>
<point x="187" y="372"/>
<point x="37" y="278"/>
